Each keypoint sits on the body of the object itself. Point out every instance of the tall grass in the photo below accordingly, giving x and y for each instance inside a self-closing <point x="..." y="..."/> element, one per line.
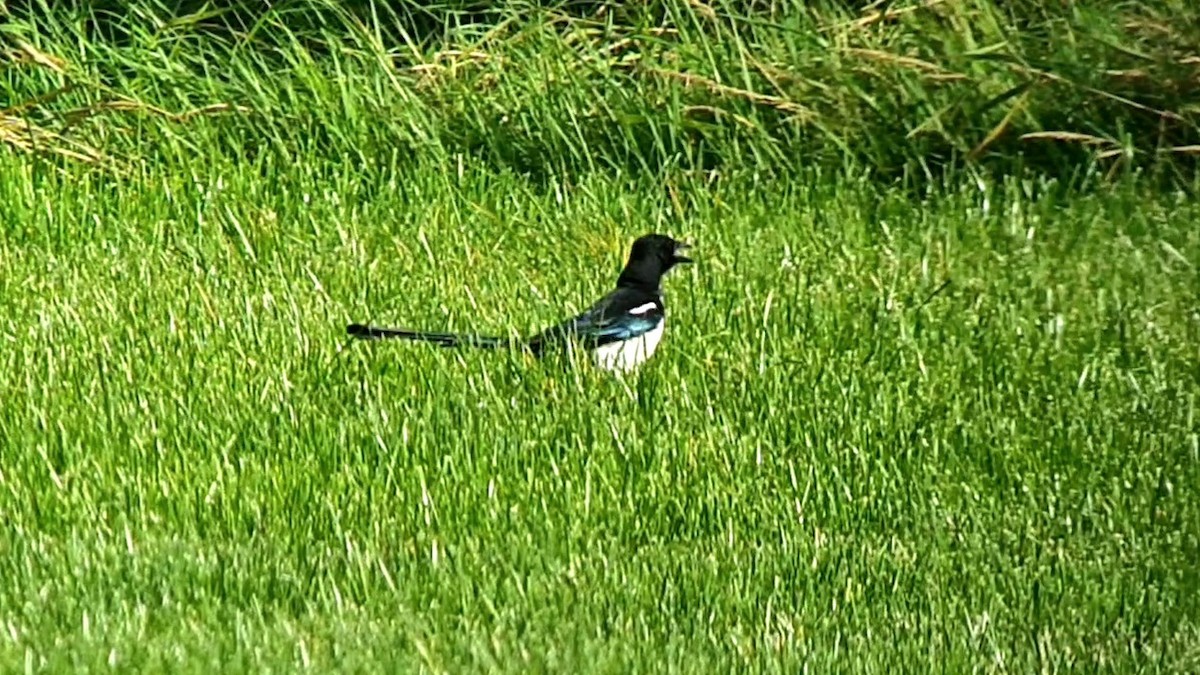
<point x="909" y="90"/>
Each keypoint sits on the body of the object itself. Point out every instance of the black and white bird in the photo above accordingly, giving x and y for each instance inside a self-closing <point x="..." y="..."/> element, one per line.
<point x="621" y="330"/>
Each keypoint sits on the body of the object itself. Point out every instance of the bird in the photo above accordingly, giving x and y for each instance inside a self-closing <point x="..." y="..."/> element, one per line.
<point x="620" y="330"/>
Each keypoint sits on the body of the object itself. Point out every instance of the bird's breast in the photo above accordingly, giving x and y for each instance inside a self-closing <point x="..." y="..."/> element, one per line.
<point x="625" y="355"/>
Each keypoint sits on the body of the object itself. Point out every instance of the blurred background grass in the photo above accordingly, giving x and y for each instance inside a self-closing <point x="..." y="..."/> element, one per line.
<point x="905" y="90"/>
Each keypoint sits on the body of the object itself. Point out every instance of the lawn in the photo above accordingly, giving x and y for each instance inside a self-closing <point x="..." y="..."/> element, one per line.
<point x="941" y="429"/>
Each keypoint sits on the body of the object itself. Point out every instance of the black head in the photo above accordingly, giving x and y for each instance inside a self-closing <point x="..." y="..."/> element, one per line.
<point x="651" y="257"/>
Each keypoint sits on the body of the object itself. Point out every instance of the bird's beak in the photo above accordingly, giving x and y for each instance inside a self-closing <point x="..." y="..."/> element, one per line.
<point x="676" y="258"/>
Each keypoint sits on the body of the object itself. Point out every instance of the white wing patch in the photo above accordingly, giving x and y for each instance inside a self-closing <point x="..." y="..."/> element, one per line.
<point x="642" y="309"/>
<point x="626" y="355"/>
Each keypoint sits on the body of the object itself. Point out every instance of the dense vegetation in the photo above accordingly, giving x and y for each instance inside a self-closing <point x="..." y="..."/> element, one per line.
<point x="903" y="90"/>
<point x="927" y="401"/>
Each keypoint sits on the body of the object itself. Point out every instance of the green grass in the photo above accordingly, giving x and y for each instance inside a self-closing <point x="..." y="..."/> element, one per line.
<point x="909" y="90"/>
<point x="816" y="468"/>
<point x="948" y="431"/>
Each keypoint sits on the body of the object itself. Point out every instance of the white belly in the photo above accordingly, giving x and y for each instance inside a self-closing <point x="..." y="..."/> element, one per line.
<point x="625" y="356"/>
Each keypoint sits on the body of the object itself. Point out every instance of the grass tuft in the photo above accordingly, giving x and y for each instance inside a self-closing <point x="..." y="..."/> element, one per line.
<point x="906" y="91"/>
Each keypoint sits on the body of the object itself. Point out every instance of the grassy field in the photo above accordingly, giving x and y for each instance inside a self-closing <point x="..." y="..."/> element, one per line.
<point x="945" y="426"/>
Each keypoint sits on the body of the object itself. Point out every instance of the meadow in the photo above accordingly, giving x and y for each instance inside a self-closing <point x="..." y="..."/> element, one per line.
<point x="927" y="399"/>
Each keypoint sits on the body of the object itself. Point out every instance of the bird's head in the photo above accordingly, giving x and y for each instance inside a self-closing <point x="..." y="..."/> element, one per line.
<point x="666" y="251"/>
<point x="651" y="257"/>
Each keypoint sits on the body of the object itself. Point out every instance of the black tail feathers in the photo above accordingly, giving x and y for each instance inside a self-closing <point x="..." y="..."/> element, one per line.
<point x="365" y="332"/>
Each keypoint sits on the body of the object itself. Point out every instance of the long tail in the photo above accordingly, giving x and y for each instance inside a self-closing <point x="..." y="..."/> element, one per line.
<point x="364" y="332"/>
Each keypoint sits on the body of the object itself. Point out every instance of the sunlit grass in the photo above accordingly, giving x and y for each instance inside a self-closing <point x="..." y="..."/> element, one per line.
<point x="907" y="424"/>
<point x="822" y="464"/>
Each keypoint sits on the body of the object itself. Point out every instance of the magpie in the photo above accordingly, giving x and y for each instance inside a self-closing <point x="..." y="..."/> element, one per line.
<point x="620" y="331"/>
